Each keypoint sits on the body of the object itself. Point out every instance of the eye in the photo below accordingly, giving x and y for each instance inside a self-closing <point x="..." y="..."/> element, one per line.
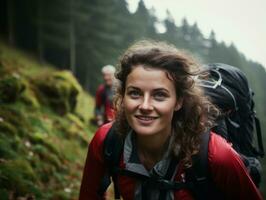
<point x="134" y="94"/>
<point x="160" y="96"/>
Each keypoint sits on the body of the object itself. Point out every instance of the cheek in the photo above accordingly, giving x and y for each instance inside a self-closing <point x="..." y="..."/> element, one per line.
<point x="108" y="80"/>
<point x="129" y="105"/>
<point x="129" y="110"/>
<point x="167" y="110"/>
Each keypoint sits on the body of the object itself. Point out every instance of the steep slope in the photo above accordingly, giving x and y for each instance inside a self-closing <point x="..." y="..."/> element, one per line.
<point x="44" y="129"/>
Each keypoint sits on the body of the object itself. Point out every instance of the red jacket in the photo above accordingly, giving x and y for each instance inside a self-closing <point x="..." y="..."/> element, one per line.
<point x="103" y="99"/>
<point x="228" y="172"/>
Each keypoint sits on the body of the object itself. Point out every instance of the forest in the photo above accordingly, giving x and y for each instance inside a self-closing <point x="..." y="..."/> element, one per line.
<point x="81" y="36"/>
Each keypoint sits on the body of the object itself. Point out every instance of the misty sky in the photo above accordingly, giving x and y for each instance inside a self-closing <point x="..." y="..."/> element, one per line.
<point x="242" y="22"/>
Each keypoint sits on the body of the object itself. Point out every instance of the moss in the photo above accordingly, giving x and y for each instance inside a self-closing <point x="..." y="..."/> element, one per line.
<point x="15" y="60"/>
<point x="41" y="152"/>
<point x="46" y="155"/>
<point x="11" y="88"/>
<point x="73" y="152"/>
<point x="75" y="119"/>
<point x="6" y="151"/>
<point x="6" y="127"/>
<point x="85" y="107"/>
<point x="40" y="125"/>
<point x="60" y="91"/>
<point x="17" y="175"/>
<point x="14" y="121"/>
<point x="44" y="170"/>
<point x="28" y="96"/>
<point x="61" y="195"/>
<point x="40" y="138"/>
<point x="10" y="146"/>
<point x="18" y="145"/>
<point x="73" y="129"/>
<point x="68" y="76"/>
<point x="6" y="68"/>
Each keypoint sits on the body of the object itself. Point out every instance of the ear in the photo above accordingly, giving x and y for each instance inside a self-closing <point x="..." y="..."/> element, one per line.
<point x="179" y="104"/>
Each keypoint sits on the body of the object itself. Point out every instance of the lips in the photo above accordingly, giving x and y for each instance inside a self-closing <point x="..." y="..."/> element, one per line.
<point x="145" y="118"/>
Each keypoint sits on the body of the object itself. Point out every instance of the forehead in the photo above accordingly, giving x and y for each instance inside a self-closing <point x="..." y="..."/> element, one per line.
<point x="108" y="73"/>
<point x="147" y="77"/>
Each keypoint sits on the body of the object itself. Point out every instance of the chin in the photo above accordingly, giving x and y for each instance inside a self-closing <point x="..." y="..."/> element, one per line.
<point x="144" y="130"/>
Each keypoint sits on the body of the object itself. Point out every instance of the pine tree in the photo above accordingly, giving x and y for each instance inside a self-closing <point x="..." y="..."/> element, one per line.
<point x="144" y="22"/>
<point x="172" y="33"/>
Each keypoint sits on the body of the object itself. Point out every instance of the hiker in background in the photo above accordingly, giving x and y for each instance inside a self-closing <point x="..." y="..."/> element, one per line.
<point x="161" y="133"/>
<point x="104" y="95"/>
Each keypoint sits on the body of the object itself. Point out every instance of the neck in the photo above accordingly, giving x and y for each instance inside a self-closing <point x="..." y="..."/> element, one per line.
<point x="151" y="148"/>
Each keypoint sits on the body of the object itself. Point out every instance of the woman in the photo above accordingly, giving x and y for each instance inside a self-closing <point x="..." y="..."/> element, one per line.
<point x="161" y="116"/>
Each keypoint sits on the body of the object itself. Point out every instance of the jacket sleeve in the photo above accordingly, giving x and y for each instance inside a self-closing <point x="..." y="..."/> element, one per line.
<point x="228" y="171"/>
<point x="95" y="168"/>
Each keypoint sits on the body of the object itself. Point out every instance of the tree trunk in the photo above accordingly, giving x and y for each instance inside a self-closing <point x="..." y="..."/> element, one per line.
<point x="72" y="39"/>
<point x="11" y="21"/>
<point x="40" y="44"/>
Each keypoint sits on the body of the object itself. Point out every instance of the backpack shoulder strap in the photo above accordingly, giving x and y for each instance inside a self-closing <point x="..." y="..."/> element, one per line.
<point x="200" y="161"/>
<point x="112" y="150"/>
<point x="203" y="187"/>
<point x="198" y="172"/>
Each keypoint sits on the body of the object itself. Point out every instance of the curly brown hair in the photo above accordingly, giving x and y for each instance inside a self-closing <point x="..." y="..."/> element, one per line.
<point x="197" y="114"/>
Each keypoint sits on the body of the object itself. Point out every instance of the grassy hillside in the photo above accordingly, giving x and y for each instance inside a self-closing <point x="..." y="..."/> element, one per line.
<point x="44" y="129"/>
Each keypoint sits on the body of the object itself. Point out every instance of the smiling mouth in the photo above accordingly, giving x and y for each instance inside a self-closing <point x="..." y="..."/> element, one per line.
<point x="145" y="118"/>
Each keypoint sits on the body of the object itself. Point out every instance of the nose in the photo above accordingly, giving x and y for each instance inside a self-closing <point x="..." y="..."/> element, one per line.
<point x="146" y="105"/>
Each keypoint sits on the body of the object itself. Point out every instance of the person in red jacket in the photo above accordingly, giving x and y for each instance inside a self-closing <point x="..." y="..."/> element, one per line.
<point x="161" y="114"/>
<point x="104" y="111"/>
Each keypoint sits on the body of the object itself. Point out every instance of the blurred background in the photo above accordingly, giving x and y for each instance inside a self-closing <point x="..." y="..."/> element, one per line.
<point x="51" y="55"/>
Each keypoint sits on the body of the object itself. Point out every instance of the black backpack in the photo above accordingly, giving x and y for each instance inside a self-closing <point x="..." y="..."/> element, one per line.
<point x="228" y="88"/>
<point x="197" y="180"/>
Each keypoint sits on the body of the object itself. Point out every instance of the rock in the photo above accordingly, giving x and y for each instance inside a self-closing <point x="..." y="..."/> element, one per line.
<point x="60" y="91"/>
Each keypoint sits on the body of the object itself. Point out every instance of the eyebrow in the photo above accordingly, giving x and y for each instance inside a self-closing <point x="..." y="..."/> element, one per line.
<point x="155" y="90"/>
<point x="161" y="89"/>
<point x="132" y="87"/>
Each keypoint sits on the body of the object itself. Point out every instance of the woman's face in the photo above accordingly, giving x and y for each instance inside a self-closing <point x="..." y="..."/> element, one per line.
<point x="150" y="101"/>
